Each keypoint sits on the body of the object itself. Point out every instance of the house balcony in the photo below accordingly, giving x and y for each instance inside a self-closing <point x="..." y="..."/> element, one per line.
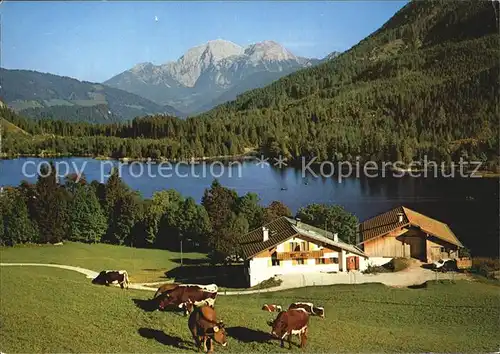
<point x="301" y="254"/>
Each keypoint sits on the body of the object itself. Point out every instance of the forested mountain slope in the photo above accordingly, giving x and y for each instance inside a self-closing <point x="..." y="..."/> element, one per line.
<point x="425" y="80"/>
<point x="41" y="95"/>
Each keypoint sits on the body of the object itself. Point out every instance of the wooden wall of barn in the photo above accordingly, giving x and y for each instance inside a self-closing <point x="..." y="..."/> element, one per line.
<point x="434" y="249"/>
<point x="414" y="241"/>
<point x="386" y="246"/>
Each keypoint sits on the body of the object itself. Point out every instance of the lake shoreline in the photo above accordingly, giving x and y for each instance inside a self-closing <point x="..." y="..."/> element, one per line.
<point x="250" y="156"/>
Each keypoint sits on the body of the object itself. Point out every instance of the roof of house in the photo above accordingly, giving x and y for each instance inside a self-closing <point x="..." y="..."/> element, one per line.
<point x="389" y="221"/>
<point x="283" y="229"/>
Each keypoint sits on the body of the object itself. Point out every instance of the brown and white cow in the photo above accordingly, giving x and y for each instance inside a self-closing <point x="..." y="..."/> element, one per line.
<point x="205" y="328"/>
<point x="272" y="308"/>
<point x="188" y="296"/>
<point x="165" y="287"/>
<point x="288" y="323"/>
<point x="107" y="277"/>
<point x="309" y="307"/>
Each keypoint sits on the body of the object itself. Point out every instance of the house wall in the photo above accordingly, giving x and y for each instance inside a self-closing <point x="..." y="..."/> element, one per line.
<point x="414" y="243"/>
<point x="286" y="246"/>
<point x="363" y="262"/>
<point x="260" y="270"/>
<point x="260" y="267"/>
<point x="386" y="246"/>
<point x="436" y="252"/>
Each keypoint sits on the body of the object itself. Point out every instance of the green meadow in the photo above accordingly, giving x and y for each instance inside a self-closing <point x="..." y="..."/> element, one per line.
<point x="56" y="310"/>
<point x="142" y="265"/>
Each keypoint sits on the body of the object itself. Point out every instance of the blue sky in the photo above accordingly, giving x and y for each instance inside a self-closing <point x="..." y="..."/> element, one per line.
<point x="95" y="40"/>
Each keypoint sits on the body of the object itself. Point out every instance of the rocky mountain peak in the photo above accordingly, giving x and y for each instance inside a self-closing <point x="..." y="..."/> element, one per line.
<point x="205" y="72"/>
<point x="214" y="51"/>
<point x="189" y="67"/>
<point x="142" y="67"/>
<point x="269" y="51"/>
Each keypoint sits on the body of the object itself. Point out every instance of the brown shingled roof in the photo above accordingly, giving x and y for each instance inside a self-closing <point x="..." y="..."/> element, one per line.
<point x="382" y="224"/>
<point x="389" y="221"/>
<point x="432" y="227"/>
<point x="279" y="230"/>
<point x="283" y="229"/>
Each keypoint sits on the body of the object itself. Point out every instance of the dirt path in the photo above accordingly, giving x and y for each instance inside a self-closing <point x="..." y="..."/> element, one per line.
<point x="408" y="277"/>
<point x="89" y="273"/>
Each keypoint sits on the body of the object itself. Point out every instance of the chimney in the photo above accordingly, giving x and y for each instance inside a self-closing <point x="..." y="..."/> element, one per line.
<point x="336" y="237"/>
<point x="265" y="234"/>
<point x="400" y="217"/>
<point x="297" y="222"/>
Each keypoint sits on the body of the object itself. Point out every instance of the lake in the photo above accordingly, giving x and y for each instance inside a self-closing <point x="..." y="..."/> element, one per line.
<point x="468" y="205"/>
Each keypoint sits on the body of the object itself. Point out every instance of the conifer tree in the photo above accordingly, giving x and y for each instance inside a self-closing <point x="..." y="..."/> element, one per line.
<point x="87" y="220"/>
<point x="15" y="224"/>
<point x="50" y="206"/>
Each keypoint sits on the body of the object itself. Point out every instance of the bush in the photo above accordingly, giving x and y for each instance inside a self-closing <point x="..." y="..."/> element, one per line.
<point x="372" y="269"/>
<point x="485" y="266"/>
<point x="395" y="265"/>
<point x="268" y="283"/>
<point x="399" y="264"/>
<point x="464" y="253"/>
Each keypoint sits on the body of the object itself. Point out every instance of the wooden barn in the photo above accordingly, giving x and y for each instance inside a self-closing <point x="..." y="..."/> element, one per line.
<point x="403" y="232"/>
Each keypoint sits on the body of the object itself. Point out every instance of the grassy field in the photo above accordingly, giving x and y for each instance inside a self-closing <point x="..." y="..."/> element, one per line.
<point x="54" y="310"/>
<point x="143" y="265"/>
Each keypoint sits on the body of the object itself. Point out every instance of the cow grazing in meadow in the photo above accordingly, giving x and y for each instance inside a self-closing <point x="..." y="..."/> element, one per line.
<point x="107" y="277"/>
<point x="309" y="307"/>
<point x="205" y="328"/>
<point x="188" y="296"/>
<point x="272" y="308"/>
<point x="165" y="287"/>
<point x="288" y="323"/>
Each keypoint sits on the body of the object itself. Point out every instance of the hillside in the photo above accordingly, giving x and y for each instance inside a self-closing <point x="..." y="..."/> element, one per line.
<point x="210" y="73"/>
<point x="10" y="128"/>
<point x="41" y="95"/>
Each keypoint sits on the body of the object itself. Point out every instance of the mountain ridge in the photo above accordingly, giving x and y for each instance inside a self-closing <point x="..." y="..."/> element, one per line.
<point x="45" y="95"/>
<point x="209" y="71"/>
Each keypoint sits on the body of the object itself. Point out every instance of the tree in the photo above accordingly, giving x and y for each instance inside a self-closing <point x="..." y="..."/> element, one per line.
<point x="160" y="214"/>
<point x="274" y="211"/>
<point x="50" y="206"/>
<point x="113" y="190"/>
<point x="224" y="242"/>
<point x="3" y="211"/>
<point x="125" y="214"/>
<point x="87" y="222"/>
<point x="122" y="210"/>
<point x="15" y="224"/>
<point x="333" y="218"/>
<point x="194" y="223"/>
<point x="249" y="207"/>
<point x="219" y="203"/>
